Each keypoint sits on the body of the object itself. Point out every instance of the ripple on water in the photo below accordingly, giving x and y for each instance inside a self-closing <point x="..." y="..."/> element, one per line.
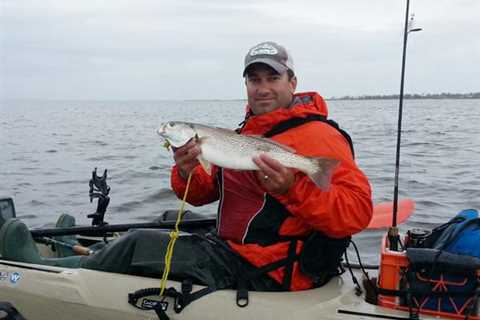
<point x="128" y="206"/>
<point x="27" y="216"/>
<point x="106" y="157"/>
<point x="160" y="195"/>
<point x="24" y="184"/>
<point x="36" y="203"/>
<point x="65" y="182"/>
<point x="94" y="143"/>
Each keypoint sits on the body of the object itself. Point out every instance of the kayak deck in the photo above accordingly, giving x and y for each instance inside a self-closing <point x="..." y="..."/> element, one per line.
<point x="43" y="292"/>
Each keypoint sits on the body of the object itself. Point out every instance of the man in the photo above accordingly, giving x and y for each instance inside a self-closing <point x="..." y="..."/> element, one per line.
<point x="275" y="229"/>
<point x="259" y="210"/>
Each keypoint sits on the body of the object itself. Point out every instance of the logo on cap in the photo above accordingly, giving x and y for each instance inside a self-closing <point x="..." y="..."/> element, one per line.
<point x="264" y="48"/>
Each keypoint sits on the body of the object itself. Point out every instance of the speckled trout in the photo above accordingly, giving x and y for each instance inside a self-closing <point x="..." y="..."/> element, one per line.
<point x="225" y="148"/>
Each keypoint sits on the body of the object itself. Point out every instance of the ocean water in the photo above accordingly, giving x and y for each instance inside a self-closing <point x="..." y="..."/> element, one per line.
<point x="49" y="149"/>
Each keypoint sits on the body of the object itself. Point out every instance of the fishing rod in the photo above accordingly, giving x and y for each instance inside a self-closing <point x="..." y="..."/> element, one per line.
<point x="393" y="237"/>
<point x="102" y="230"/>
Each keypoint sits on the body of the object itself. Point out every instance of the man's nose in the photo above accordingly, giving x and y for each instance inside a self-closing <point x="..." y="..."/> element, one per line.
<point x="263" y="88"/>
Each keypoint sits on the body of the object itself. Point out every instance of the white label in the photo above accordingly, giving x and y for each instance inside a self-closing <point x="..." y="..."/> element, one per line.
<point x="15" y="277"/>
<point x="264" y="49"/>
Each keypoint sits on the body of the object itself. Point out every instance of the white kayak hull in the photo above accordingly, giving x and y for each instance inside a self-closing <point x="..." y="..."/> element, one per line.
<point x="45" y="293"/>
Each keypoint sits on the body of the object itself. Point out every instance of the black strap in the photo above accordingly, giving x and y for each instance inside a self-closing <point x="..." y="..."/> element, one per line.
<point x="296" y="122"/>
<point x="242" y="293"/>
<point x="181" y="299"/>
<point x="292" y="123"/>
<point x="161" y="313"/>
<point x="271" y="266"/>
<point x="291" y="258"/>
<point x="12" y="313"/>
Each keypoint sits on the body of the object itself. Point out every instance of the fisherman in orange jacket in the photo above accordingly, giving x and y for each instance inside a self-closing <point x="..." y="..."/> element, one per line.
<point x="276" y="230"/>
<point x="266" y="215"/>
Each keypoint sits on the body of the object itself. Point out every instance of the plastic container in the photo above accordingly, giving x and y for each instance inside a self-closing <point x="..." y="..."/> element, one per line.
<point x="392" y="264"/>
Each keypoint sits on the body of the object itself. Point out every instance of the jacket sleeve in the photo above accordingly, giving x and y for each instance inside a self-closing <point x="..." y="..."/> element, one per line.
<point x="203" y="187"/>
<point x="346" y="208"/>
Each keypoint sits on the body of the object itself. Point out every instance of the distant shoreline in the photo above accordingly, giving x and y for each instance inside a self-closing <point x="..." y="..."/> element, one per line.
<point x="471" y="95"/>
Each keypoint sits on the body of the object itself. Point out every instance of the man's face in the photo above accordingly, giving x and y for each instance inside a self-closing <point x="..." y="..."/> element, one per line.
<point x="267" y="90"/>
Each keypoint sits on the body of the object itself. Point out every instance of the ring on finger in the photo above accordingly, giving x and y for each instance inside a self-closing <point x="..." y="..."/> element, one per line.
<point x="265" y="177"/>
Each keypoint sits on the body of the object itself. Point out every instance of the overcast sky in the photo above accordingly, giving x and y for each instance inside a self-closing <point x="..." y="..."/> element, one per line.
<point x="194" y="49"/>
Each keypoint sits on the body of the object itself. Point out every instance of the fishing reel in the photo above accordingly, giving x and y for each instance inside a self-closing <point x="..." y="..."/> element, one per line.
<point x="416" y="237"/>
<point x="99" y="189"/>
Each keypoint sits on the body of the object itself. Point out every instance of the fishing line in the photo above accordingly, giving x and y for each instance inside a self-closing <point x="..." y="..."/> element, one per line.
<point x="173" y="238"/>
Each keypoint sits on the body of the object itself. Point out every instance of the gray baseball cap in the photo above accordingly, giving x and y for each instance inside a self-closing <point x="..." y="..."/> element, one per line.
<point x="271" y="54"/>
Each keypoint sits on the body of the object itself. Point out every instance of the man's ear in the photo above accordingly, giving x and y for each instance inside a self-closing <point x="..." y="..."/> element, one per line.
<point x="293" y="83"/>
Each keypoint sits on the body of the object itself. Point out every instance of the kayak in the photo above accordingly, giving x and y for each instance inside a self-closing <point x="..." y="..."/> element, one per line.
<point x="41" y="292"/>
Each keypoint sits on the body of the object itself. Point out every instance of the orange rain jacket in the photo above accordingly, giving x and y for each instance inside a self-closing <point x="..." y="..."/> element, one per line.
<point x="342" y="211"/>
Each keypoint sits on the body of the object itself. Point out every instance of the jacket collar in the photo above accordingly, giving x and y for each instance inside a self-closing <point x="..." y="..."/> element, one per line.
<point x="303" y="104"/>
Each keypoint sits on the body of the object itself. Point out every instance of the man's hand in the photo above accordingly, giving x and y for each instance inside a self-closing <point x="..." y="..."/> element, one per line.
<point x="274" y="177"/>
<point x="186" y="158"/>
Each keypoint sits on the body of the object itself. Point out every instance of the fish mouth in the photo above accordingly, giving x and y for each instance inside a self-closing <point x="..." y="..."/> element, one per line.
<point x="161" y="130"/>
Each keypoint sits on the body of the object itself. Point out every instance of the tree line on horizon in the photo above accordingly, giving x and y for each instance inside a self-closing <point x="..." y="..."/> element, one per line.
<point x="443" y="95"/>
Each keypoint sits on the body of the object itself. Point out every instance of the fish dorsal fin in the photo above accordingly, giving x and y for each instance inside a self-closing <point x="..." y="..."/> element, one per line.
<point x="209" y="128"/>
<point x="272" y="142"/>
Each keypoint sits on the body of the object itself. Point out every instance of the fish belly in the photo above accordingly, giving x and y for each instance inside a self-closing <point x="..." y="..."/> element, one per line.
<point x="236" y="152"/>
<point x="228" y="158"/>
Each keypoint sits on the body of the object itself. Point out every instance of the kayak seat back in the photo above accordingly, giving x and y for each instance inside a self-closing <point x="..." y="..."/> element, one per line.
<point x="7" y="210"/>
<point x="17" y="244"/>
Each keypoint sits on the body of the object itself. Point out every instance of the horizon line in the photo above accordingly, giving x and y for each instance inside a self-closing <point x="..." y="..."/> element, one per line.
<point x="337" y="97"/>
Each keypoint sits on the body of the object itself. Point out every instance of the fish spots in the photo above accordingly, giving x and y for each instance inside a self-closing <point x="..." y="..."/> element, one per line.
<point x="264" y="147"/>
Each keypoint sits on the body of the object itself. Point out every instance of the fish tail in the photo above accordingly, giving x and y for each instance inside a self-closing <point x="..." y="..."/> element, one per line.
<point x="322" y="172"/>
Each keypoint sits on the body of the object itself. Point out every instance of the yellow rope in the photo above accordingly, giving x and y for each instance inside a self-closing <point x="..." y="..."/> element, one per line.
<point x="173" y="237"/>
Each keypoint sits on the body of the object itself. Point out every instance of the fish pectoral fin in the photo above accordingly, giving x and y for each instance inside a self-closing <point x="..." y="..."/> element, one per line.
<point x="207" y="166"/>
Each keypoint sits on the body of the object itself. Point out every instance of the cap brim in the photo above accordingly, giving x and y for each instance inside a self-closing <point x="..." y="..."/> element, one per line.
<point x="280" y="68"/>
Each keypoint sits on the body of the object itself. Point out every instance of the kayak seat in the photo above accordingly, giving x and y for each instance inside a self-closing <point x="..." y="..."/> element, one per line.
<point x="17" y="244"/>
<point x="65" y="221"/>
<point x="171" y="216"/>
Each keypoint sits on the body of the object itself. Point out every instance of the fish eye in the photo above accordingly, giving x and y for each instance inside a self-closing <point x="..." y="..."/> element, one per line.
<point x="171" y="124"/>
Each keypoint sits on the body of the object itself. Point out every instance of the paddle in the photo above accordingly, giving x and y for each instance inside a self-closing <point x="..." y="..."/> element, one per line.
<point x="383" y="212"/>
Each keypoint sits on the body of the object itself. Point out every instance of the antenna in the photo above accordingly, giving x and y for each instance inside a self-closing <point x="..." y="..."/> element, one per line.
<point x="393" y="236"/>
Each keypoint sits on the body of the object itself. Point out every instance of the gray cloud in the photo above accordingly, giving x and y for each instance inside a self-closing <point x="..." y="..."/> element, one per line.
<point x="176" y="49"/>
